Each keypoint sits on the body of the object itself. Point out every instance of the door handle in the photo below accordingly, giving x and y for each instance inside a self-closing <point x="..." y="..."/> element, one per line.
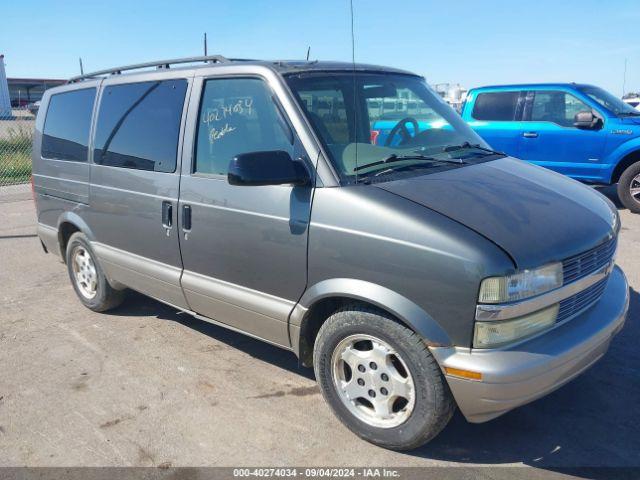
<point x="186" y="217"/>
<point x="530" y="134"/>
<point x="167" y="214"/>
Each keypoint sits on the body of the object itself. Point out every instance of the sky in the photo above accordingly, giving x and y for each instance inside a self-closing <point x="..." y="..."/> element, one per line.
<point x="468" y="42"/>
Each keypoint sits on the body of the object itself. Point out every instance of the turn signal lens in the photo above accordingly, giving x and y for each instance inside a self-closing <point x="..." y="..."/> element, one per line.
<point x="458" y="372"/>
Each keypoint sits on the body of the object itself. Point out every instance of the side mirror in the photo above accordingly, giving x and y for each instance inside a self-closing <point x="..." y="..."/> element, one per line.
<point x="586" y="120"/>
<point x="267" y="168"/>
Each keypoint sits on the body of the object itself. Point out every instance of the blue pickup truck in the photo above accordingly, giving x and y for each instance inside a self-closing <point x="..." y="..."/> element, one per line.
<point x="579" y="130"/>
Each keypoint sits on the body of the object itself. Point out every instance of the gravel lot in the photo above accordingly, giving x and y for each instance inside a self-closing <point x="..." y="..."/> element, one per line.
<point x="146" y="386"/>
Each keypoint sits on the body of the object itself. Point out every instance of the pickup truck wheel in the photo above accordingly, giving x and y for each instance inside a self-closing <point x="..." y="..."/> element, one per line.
<point x="380" y="379"/>
<point x="629" y="188"/>
<point x="87" y="277"/>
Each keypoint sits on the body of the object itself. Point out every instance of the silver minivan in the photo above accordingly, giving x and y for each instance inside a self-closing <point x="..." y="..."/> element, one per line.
<point x="414" y="268"/>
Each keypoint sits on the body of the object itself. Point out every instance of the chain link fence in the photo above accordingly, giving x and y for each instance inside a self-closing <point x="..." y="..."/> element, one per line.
<point x="16" y="134"/>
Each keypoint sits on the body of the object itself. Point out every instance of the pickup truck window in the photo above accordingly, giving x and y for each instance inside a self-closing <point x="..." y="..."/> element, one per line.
<point x="497" y="106"/>
<point x="609" y="101"/>
<point x="556" y="107"/>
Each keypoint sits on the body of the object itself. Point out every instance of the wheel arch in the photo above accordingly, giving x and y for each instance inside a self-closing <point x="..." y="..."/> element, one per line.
<point x="68" y="224"/>
<point x="327" y="296"/>
<point x="625" y="162"/>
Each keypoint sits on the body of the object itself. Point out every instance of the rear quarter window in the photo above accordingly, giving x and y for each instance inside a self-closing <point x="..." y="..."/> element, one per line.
<point x="65" y="135"/>
<point x="139" y="125"/>
<point x="498" y="106"/>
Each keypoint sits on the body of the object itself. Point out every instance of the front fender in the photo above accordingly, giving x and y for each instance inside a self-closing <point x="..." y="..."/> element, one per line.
<point x="401" y="307"/>
<point x="615" y="157"/>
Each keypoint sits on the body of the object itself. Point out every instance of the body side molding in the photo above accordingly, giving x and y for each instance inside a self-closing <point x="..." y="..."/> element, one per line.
<point x="153" y="278"/>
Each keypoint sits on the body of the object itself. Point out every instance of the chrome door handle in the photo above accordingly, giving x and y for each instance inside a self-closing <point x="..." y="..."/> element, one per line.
<point x="530" y="134"/>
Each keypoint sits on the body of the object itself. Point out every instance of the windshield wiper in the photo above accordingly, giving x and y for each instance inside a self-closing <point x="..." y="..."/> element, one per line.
<point x="465" y="145"/>
<point x="399" y="158"/>
<point x="628" y="114"/>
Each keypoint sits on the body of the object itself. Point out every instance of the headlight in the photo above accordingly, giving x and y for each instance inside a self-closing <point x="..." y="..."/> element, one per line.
<point x="518" y="286"/>
<point x="494" y="334"/>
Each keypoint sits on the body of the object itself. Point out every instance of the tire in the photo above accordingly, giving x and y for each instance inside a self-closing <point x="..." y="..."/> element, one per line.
<point x="87" y="277"/>
<point x="362" y="328"/>
<point x="629" y="179"/>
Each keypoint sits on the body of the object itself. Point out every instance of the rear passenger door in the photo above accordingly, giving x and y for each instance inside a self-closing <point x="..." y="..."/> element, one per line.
<point x="244" y="249"/>
<point x="135" y="178"/>
<point x="496" y="118"/>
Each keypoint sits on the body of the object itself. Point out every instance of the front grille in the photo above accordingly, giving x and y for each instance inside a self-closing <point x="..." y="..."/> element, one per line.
<point x="580" y="301"/>
<point x="583" y="264"/>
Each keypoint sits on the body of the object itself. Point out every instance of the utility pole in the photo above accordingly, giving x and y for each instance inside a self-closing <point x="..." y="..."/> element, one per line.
<point x="624" y="77"/>
<point x="205" y="44"/>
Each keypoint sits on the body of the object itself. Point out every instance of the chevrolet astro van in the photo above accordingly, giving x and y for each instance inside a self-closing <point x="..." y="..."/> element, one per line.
<point x="419" y="276"/>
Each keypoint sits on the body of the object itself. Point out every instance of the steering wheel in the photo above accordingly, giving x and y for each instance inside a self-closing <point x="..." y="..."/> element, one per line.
<point x="401" y="127"/>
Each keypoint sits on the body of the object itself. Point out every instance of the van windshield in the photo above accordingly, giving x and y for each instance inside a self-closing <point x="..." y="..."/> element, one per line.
<point x="384" y="126"/>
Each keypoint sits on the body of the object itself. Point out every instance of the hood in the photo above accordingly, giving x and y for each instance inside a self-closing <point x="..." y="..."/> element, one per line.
<point x="535" y="215"/>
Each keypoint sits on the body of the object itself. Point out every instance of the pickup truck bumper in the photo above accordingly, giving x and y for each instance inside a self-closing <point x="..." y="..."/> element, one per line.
<point x="514" y="376"/>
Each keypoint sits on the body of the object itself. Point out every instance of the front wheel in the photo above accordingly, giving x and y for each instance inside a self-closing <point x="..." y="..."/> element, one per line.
<point x="380" y="379"/>
<point x="629" y="188"/>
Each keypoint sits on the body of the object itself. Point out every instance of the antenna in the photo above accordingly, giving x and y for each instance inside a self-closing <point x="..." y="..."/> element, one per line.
<point x="81" y="69"/>
<point x="205" y="44"/>
<point x="624" y="77"/>
<point x="355" y="103"/>
<point x="308" y="52"/>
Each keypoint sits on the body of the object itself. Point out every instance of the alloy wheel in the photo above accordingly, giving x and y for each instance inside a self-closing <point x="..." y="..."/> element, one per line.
<point x="373" y="381"/>
<point x="634" y="188"/>
<point x="84" y="271"/>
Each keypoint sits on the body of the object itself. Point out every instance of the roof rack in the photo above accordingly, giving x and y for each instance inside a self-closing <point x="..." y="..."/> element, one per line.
<point x="160" y="64"/>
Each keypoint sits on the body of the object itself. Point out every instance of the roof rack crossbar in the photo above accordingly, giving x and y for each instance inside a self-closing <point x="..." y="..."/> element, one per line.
<point x="157" y="64"/>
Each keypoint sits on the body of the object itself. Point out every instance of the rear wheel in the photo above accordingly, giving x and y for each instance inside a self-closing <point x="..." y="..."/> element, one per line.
<point x="380" y="379"/>
<point x="87" y="277"/>
<point x="629" y="188"/>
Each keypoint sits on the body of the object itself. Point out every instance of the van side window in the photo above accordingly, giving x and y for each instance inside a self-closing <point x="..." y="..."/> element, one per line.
<point x="139" y="125"/>
<point x="556" y="107"/>
<point x="66" y="127"/>
<point x="237" y="115"/>
<point x="498" y="106"/>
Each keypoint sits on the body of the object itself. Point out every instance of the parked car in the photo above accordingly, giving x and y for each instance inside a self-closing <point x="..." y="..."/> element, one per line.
<point x="33" y="107"/>
<point x="415" y="277"/>
<point x="388" y="130"/>
<point x="578" y="130"/>
<point x="632" y="100"/>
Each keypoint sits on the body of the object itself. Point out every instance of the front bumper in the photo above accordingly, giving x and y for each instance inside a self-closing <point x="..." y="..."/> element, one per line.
<point x="518" y="375"/>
